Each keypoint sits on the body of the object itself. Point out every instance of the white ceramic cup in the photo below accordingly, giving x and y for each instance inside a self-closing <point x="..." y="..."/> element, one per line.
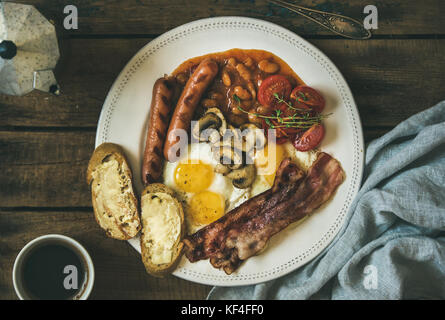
<point x="17" y="272"/>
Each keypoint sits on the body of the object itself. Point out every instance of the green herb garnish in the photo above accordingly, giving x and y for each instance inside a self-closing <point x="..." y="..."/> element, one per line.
<point x="289" y="104"/>
<point x="297" y="120"/>
<point x="302" y="95"/>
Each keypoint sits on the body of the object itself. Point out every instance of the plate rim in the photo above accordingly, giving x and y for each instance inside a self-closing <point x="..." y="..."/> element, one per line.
<point x="345" y="92"/>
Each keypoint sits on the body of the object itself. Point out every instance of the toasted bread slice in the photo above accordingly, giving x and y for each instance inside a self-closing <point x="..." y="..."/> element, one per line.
<point x="162" y="218"/>
<point x="114" y="201"/>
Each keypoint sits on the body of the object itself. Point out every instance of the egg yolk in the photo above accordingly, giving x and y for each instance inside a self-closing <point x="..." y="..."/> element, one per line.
<point x="193" y="176"/>
<point x="206" y="207"/>
<point x="268" y="160"/>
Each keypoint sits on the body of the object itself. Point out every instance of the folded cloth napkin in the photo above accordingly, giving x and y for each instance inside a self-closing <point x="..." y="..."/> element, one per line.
<point x="392" y="245"/>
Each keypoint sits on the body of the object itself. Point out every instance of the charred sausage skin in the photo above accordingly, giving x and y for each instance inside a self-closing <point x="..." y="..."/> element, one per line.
<point x="158" y="121"/>
<point x="195" y="87"/>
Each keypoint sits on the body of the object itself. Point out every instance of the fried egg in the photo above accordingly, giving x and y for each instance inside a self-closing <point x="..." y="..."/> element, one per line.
<point x="205" y="195"/>
<point x="267" y="162"/>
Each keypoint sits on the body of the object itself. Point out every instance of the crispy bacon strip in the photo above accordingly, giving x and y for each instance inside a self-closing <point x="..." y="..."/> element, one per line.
<point x="244" y="231"/>
<point x="206" y="241"/>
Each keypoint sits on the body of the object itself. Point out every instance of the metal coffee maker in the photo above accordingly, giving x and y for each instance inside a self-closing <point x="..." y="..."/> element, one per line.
<point x="28" y="50"/>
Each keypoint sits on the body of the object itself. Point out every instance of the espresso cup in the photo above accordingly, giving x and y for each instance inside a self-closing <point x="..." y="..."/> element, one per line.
<point x="53" y="267"/>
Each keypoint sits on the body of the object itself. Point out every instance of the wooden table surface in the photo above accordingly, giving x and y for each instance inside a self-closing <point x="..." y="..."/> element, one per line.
<point x="46" y="141"/>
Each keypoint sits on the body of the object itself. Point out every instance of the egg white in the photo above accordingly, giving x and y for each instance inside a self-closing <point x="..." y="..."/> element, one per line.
<point x="303" y="159"/>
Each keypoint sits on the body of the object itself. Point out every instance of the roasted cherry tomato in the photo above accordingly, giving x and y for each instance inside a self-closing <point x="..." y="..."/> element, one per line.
<point x="285" y="110"/>
<point x="307" y="96"/>
<point x="310" y="138"/>
<point x="281" y="136"/>
<point x="276" y="84"/>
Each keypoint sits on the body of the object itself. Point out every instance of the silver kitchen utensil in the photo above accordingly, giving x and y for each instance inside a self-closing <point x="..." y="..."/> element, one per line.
<point x="28" y="50"/>
<point x="339" y="24"/>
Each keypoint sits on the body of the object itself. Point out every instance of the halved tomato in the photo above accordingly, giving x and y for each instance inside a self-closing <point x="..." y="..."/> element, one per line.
<point x="271" y="86"/>
<point x="310" y="138"/>
<point x="307" y="96"/>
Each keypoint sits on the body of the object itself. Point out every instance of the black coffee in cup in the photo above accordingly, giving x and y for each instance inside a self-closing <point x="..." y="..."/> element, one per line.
<point x="53" y="271"/>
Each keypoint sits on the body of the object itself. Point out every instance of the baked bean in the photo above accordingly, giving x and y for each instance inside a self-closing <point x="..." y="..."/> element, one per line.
<point x="268" y="67"/>
<point x="235" y="110"/>
<point x="262" y="110"/>
<point x="226" y="79"/>
<point x="249" y="62"/>
<point x="236" y="120"/>
<point x="243" y="71"/>
<point x="216" y="96"/>
<point x="252" y="90"/>
<point x="209" y="103"/>
<point x="258" y="79"/>
<point x="232" y="62"/>
<point x="254" y="119"/>
<point x="242" y="93"/>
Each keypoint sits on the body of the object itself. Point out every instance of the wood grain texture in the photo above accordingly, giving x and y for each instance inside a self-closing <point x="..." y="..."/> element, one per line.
<point x="45" y="169"/>
<point x="397" y="17"/>
<point x="119" y="271"/>
<point x="390" y="80"/>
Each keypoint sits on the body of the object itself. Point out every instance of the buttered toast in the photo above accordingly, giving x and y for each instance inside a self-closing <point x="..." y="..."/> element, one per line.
<point x="114" y="202"/>
<point x="162" y="229"/>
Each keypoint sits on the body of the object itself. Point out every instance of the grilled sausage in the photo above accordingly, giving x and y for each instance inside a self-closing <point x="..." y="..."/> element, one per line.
<point x="161" y="108"/>
<point x="188" y="101"/>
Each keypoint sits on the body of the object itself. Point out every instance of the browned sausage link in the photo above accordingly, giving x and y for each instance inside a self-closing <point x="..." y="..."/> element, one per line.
<point x="189" y="99"/>
<point x="161" y="108"/>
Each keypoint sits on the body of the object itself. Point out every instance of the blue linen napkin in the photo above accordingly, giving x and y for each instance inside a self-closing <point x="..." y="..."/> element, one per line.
<point x="392" y="245"/>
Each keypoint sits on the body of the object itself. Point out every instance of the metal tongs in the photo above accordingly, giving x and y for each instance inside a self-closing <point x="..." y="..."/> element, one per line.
<point x="339" y="24"/>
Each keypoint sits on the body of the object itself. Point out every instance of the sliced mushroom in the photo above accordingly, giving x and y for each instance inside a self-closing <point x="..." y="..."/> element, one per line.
<point x="227" y="156"/>
<point x="253" y="137"/>
<point x="234" y="132"/>
<point x="232" y="138"/>
<point x="222" y="128"/>
<point x="207" y="128"/>
<point x="220" y="168"/>
<point x="243" y="177"/>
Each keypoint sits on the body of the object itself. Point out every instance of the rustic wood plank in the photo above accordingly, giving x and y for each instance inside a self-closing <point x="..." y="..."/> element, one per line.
<point x="119" y="272"/>
<point x="390" y="79"/>
<point x="397" y="17"/>
<point x="45" y="169"/>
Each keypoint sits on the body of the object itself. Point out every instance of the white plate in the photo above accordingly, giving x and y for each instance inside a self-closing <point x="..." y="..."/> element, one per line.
<point x="124" y="114"/>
